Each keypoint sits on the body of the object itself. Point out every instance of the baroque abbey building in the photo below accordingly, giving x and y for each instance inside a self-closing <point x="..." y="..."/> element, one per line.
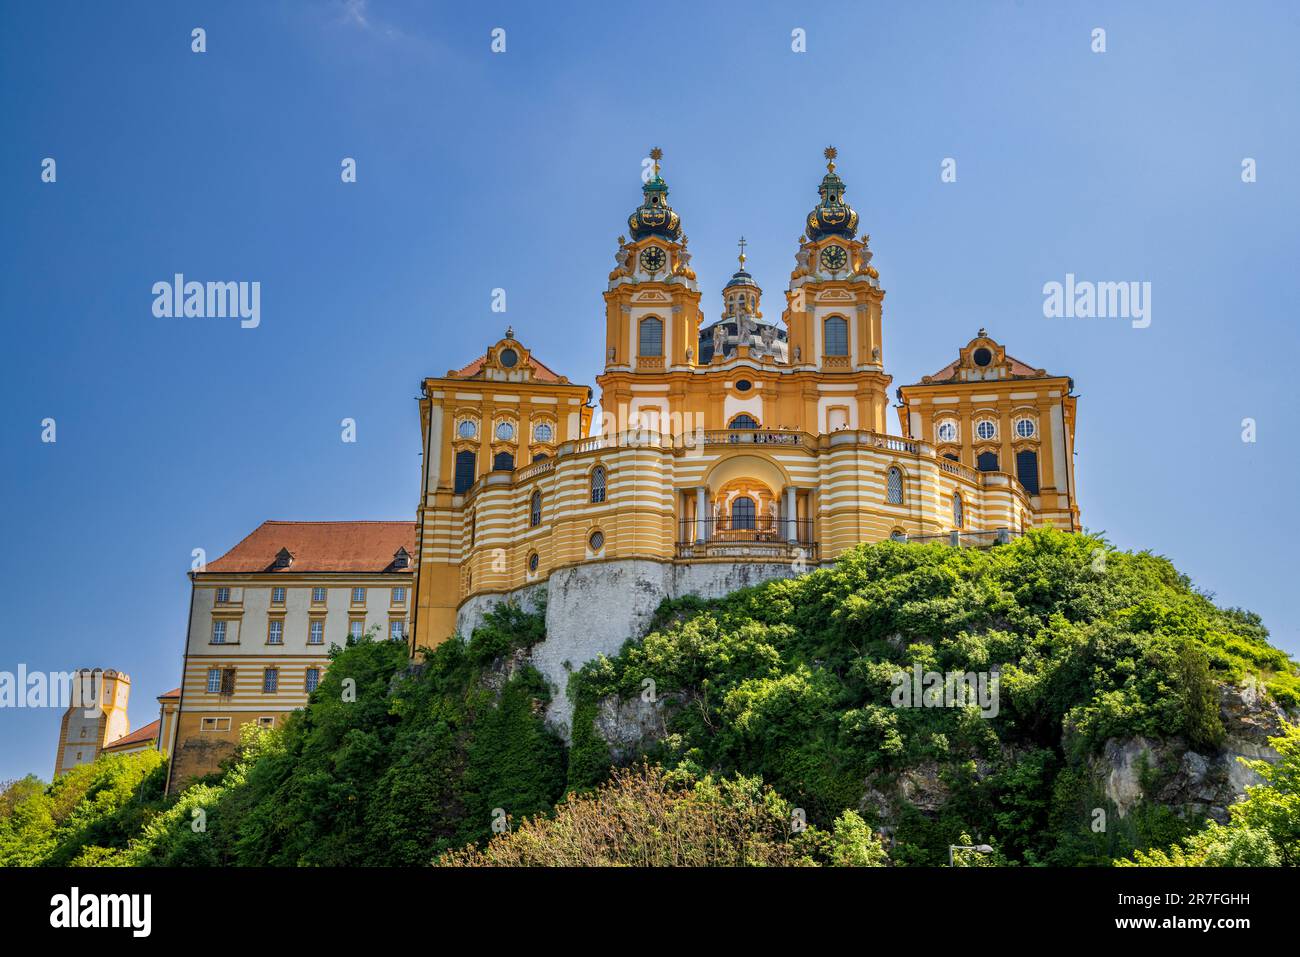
<point x="725" y="452"/>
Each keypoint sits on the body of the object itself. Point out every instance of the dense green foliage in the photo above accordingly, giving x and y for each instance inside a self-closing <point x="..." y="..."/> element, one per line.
<point x="643" y="817"/>
<point x="87" y="812"/>
<point x="792" y="681"/>
<point x="779" y="704"/>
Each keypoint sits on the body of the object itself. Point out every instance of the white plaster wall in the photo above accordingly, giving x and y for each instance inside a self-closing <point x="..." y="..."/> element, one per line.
<point x="594" y="609"/>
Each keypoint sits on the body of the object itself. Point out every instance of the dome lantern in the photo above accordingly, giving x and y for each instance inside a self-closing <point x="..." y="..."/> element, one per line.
<point x="832" y="216"/>
<point x="654" y="217"/>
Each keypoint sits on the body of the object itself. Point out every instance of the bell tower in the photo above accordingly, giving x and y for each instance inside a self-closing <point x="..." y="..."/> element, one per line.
<point x="833" y="302"/>
<point x="652" y="302"/>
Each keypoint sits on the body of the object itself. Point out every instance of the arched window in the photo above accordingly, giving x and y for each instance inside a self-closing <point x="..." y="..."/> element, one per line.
<point x="987" y="461"/>
<point x="958" y="516"/>
<point x="598" y="485"/>
<point x="1027" y="470"/>
<point x="535" y="509"/>
<point x="837" y="336"/>
<point x="503" y="462"/>
<point x="742" y="512"/>
<point x="465" y="468"/>
<point x="894" y="487"/>
<point x="650" y="337"/>
<point x="744" y="421"/>
<point x="539" y="456"/>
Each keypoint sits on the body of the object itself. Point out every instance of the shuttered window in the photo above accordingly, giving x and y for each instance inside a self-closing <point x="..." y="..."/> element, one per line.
<point x="1027" y="470"/>
<point x="465" y="462"/>
<point x="987" y="461"/>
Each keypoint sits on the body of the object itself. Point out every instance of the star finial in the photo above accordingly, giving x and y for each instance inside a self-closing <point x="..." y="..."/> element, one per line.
<point x="656" y="154"/>
<point x="742" y="244"/>
<point x="830" y="153"/>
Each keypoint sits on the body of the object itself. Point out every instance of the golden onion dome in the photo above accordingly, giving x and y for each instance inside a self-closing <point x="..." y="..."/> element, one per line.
<point x="832" y="216"/>
<point x="654" y="217"/>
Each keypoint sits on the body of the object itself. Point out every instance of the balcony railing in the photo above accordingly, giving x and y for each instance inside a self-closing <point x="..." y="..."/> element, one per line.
<point x="960" y="539"/>
<point x="756" y="537"/>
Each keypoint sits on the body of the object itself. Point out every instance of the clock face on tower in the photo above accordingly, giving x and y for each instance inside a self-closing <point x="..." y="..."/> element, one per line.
<point x="834" y="258"/>
<point x="653" y="259"/>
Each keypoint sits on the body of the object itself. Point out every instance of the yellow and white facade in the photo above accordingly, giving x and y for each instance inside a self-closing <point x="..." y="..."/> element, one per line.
<point x="724" y="452"/>
<point x="263" y="618"/>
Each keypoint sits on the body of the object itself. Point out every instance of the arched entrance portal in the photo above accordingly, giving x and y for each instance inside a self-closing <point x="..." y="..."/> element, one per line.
<point x="746" y="506"/>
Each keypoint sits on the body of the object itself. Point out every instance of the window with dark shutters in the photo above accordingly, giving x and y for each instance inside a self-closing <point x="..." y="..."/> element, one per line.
<point x="465" y="462"/>
<point x="503" y="462"/>
<point x="987" y="462"/>
<point x="1027" y="470"/>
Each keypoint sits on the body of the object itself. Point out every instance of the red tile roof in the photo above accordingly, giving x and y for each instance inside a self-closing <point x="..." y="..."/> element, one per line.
<point x="540" y="371"/>
<point x="1018" y="368"/>
<point x="148" y="733"/>
<point x="174" y="693"/>
<point x="319" y="547"/>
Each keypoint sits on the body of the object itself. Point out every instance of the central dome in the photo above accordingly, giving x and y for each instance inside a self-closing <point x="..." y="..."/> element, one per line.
<point x="832" y="216"/>
<point x="654" y="217"/>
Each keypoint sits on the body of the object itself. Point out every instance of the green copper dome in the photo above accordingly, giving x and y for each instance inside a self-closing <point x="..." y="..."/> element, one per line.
<point x="832" y="216"/>
<point x="654" y="217"/>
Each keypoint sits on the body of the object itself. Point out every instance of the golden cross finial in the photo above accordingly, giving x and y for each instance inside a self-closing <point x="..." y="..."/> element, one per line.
<point x="742" y="244"/>
<point x="656" y="154"/>
<point x="830" y="154"/>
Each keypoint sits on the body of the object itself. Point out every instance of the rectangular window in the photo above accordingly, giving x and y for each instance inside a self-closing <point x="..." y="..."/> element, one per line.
<point x="218" y="632"/>
<point x="316" y="632"/>
<point x="275" y="632"/>
<point x="227" y="680"/>
<point x="358" y="596"/>
<point x="215" y="724"/>
<point x="214" y="680"/>
<point x="270" y="680"/>
<point x="395" y="629"/>
<point x="318" y="596"/>
<point x="313" y="679"/>
<point x="266" y="721"/>
<point x="277" y="596"/>
<point x="837" y="336"/>
<point x="223" y="596"/>
<point x="399" y="596"/>
<point x="356" y="627"/>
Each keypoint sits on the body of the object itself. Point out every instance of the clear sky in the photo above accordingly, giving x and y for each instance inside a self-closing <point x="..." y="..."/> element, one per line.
<point x="517" y="170"/>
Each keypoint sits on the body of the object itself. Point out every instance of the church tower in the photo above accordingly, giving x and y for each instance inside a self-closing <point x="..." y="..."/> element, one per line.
<point x="96" y="716"/>
<point x="652" y="302"/>
<point x="833" y="303"/>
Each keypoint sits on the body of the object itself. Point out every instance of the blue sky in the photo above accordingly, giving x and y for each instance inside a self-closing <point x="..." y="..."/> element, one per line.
<point x="517" y="170"/>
